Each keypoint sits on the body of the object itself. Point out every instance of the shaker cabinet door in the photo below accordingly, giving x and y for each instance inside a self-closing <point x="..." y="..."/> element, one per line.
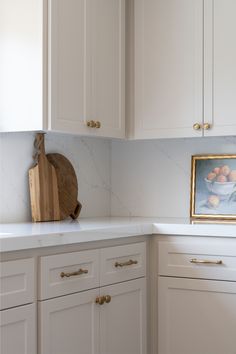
<point x="67" y="66"/>
<point x="168" y="81"/>
<point x="220" y="68"/>
<point x="70" y="324"/>
<point x="18" y="330"/>
<point x="123" y="319"/>
<point x="196" y="316"/>
<point x="106" y="66"/>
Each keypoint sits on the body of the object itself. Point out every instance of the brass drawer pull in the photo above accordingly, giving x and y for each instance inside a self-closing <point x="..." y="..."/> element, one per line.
<point x="125" y="264"/>
<point x="205" y="261"/>
<point x="100" y="300"/>
<point x="73" y="274"/>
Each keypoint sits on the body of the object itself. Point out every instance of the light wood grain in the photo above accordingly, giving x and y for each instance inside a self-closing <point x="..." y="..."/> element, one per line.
<point x="43" y="187"/>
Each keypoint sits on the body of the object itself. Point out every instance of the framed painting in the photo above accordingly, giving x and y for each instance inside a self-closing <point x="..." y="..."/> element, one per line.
<point x="213" y="187"/>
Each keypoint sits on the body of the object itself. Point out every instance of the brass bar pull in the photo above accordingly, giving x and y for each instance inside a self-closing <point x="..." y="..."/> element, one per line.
<point x="205" y="261"/>
<point x="125" y="264"/>
<point x="73" y="274"/>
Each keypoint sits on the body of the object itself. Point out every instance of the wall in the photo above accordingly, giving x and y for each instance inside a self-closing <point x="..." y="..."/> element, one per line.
<point x="149" y="178"/>
<point x="152" y="178"/>
<point x="89" y="156"/>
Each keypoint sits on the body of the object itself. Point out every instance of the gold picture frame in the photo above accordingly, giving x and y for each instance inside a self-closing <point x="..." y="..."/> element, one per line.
<point x="213" y="187"/>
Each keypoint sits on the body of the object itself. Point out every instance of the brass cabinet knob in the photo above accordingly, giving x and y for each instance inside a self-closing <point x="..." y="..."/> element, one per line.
<point x="100" y="300"/>
<point x="97" y="124"/>
<point x="197" y="126"/>
<point x="206" y="126"/>
<point x="107" y="299"/>
<point x="91" y="124"/>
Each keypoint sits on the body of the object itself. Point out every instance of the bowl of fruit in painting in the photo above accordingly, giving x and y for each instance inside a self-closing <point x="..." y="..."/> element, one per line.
<point x="221" y="181"/>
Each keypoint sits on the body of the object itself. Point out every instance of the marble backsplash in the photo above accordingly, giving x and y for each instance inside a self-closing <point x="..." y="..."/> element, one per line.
<point x="118" y="178"/>
<point x="152" y="178"/>
<point x="90" y="157"/>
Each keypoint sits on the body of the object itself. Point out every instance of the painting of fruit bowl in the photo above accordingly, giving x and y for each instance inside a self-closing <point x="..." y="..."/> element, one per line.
<point x="213" y="187"/>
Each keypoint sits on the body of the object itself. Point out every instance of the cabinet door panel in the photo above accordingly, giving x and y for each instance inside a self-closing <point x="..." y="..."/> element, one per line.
<point x="67" y="65"/>
<point x="221" y="54"/>
<point x="123" y="320"/>
<point x="168" y="68"/>
<point x="106" y="56"/>
<point x="70" y="324"/>
<point x="196" y="316"/>
<point x="18" y="330"/>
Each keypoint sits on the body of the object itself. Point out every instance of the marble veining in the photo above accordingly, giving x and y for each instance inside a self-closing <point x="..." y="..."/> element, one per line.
<point x="89" y="156"/>
<point x="152" y="177"/>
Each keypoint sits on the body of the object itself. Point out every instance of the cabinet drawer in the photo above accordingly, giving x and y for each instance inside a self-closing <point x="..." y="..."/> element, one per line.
<point x="206" y="260"/>
<point x="68" y="273"/>
<point x="16" y="283"/>
<point x="123" y="263"/>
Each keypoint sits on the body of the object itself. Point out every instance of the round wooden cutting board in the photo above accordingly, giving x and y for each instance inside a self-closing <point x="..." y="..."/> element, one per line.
<point x="67" y="186"/>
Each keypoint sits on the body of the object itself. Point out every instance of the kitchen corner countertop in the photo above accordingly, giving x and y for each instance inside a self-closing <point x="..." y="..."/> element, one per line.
<point x="22" y="236"/>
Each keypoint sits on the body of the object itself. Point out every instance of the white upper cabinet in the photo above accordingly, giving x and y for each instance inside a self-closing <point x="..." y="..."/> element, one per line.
<point x="21" y="67"/>
<point x="86" y="66"/>
<point x="220" y="68"/>
<point x="106" y="65"/>
<point x="62" y="65"/>
<point x="168" y="95"/>
<point x="185" y="72"/>
<point x="67" y="65"/>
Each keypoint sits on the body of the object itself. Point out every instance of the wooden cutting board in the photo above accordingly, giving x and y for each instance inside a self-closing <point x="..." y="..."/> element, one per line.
<point x="67" y="186"/>
<point x="43" y="184"/>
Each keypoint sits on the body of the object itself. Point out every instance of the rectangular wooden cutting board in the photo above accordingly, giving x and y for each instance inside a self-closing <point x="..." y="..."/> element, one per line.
<point x="43" y="186"/>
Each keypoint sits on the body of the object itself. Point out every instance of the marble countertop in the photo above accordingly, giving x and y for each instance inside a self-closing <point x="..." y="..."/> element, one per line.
<point x="22" y="236"/>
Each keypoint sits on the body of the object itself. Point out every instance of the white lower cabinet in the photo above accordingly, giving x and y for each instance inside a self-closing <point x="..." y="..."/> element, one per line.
<point x="70" y="324"/>
<point x="196" y="293"/>
<point x="123" y="320"/>
<point x="80" y="312"/>
<point x="196" y="316"/>
<point x="76" y="324"/>
<point x="18" y="330"/>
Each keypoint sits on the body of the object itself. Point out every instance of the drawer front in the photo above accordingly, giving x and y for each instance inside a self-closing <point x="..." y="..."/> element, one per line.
<point x="16" y="283"/>
<point x="206" y="260"/>
<point x="122" y="263"/>
<point x="68" y="273"/>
